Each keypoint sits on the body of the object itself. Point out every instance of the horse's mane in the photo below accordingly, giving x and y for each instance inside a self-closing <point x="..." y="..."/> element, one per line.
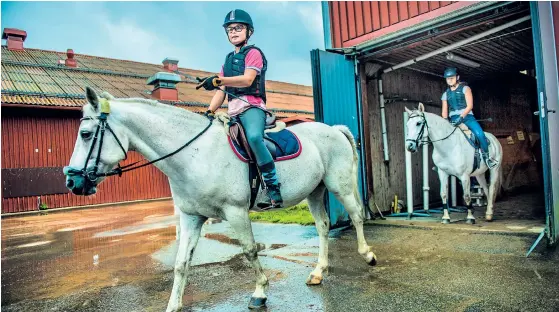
<point x="108" y="96"/>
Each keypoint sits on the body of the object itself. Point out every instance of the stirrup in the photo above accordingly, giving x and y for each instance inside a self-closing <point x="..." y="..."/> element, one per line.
<point x="274" y="199"/>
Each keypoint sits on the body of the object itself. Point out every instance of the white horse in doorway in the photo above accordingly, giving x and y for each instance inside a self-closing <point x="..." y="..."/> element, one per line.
<point x="453" y="155"/>
<point x="207" y="180"/>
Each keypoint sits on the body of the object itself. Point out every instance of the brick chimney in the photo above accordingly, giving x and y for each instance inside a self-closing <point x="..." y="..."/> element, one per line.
<point x="170" y="64"/>
<point x="164" y="86"/>
<point x="70" y="61"/>
<point x="14" y="38"/>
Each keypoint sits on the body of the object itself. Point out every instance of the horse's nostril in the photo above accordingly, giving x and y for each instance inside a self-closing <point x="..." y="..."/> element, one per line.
<point x="70" y="184"/>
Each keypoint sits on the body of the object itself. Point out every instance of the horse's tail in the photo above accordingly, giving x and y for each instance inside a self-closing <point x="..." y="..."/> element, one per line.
<point x="345" y="130"/>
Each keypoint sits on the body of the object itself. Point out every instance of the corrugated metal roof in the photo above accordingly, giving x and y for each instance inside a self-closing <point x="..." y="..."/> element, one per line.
<point x="510" y="50"/>
<point x="32" y="77"/>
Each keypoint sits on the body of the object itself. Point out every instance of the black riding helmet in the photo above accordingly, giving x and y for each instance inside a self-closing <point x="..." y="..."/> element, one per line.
<point x="241" y="17"/>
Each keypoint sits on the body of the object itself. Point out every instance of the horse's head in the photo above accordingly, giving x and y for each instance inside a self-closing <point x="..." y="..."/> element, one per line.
<point x="99" y="146"/>
<point x="416" y="128"/>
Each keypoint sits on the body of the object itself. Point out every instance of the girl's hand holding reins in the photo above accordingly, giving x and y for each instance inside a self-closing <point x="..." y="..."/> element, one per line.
<point x="208" y="83"/>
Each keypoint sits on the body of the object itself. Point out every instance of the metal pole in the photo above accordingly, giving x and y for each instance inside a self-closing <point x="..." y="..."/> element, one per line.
<point x="383" y="121"/>
<point x="453" y="190"/>
<point x="426" y="177"/>
<point x="409" y="186"/>
<point x="458" y="44"/>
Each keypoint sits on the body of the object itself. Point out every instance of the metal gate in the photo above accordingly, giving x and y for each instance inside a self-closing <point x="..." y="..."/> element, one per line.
<point x="336" y="101"/>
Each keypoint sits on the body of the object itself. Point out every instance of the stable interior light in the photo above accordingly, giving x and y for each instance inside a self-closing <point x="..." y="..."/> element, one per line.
<point x="461" y="60"/>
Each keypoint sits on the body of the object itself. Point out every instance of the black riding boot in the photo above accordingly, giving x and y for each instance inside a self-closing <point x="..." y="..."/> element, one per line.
<point x="272" y="185"/>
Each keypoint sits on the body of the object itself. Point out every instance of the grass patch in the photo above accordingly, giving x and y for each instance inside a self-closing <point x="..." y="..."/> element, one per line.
<point x="299" y="214"/>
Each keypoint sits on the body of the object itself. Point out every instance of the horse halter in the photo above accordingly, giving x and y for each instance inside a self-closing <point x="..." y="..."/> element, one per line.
<point x="92" y="175"/>
<point x="422" y="130"/>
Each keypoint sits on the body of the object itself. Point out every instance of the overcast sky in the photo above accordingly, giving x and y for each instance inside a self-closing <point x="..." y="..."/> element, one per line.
<point x="189" y="31"/>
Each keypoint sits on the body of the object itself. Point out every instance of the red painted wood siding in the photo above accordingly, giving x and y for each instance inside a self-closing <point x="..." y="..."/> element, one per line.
<point x="25" y="144"/>
<point x="353" y="22"/>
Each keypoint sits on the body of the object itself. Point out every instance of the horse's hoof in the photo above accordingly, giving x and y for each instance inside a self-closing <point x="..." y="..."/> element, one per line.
<point x="488" y="218"/>
<point x="314" y="280"/>
<point x="257" y="303"/>
<point x="446" y="221"/>
<point x="373" y="260"/>
<point x="471" y="221"/>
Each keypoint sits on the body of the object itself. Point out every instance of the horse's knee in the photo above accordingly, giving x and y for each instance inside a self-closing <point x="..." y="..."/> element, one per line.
<point x="250" y="252"/>
<point x="180" y="269"/>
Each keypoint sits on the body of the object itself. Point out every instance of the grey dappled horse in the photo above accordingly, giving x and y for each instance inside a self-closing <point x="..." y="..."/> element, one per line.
<point x="453" y="155"/>
<point x="207" y="180"/>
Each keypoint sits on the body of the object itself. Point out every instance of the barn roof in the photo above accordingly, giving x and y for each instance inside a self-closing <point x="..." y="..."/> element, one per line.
<point x="35" y="78"/>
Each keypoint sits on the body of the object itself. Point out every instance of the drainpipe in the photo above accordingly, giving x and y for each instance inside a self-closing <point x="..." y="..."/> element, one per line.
<point x="383" y="120"/>
<point x="326" y="25"/>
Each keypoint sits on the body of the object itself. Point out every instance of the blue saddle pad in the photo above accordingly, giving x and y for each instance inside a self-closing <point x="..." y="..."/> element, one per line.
<point x="283" y="145"/>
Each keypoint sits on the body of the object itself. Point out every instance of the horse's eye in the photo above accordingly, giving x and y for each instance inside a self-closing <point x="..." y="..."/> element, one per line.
<point x="418" y="123"/>
<point x="86" y="135"/>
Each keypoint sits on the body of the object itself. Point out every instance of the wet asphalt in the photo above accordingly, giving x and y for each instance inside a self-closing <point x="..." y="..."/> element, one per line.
<point x="120" y="259"/>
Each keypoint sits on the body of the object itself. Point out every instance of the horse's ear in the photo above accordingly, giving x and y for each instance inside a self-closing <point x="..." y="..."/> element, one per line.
<point x="92" y="97"/>
<point x="421" y="107"/>
<point x="407" y="110"/>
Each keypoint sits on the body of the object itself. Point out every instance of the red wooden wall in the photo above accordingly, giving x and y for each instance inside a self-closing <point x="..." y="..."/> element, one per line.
<point x="22" y="134"/>
<point x="353" y="22"/>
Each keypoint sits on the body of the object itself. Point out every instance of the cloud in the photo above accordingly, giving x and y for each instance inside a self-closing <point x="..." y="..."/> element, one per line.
<point x="311" y="16"/>
<point x="130" y="41"/>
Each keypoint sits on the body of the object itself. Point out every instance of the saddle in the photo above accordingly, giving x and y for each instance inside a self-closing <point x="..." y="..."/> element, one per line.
<point x="472" y="139"/>
<point x="282" y="144"/>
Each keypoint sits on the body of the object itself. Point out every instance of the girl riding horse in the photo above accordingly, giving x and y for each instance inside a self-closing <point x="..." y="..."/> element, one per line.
<point x="243" y="77"/>
<point x="457" y="107"/>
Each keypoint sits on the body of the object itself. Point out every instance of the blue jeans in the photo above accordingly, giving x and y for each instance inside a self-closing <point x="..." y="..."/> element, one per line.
<point x="254" y="122"/>
<point x="472" y="123"/>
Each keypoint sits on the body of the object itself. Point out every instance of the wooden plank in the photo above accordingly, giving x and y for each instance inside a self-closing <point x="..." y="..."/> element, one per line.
<point x="336" y="24"/>
<point x="375" y="7"/>
<point x="367" y="16"/>
<point x="423" y="7"/>
<point x="359" y="18"/>
<point x="351" y="19"/>
<point x="413" y="8"/>
<point x="393" y="12"/>
<point x="344" y="21"/>
<point x="403" y="10"/>
<point x="384" y="14"/>
<point x="433" y="5"/>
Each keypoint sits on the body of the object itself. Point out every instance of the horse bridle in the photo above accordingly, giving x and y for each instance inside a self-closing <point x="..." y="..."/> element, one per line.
<point x="92" y="175"/>
<point x="422" y="130"/>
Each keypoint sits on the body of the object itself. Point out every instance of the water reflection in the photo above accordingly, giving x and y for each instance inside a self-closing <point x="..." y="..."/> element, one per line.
<point x="46" y="256"/>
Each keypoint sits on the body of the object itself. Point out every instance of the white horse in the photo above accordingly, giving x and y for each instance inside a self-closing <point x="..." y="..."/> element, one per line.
<point x="208" y="180"/>
<point x="453" y="155"/>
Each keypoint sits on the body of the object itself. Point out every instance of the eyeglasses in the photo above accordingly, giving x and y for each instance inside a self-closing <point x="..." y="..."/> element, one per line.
<point x="237" y="28"/>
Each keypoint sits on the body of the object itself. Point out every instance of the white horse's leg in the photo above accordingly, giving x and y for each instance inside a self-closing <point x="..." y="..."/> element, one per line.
<point x="322" y="222"/>
<point x="483" y="183"/>
<point x="190" y="233"/>
<point x="494" y="176"/>
<point x="240" y="222"/>
<point x="468" y="199"/>
<point x="177" y="226"/>
<point x="443" y="179"/>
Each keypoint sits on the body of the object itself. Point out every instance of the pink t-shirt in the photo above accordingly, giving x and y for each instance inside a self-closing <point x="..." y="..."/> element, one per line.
<point x="253" y="60"/>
